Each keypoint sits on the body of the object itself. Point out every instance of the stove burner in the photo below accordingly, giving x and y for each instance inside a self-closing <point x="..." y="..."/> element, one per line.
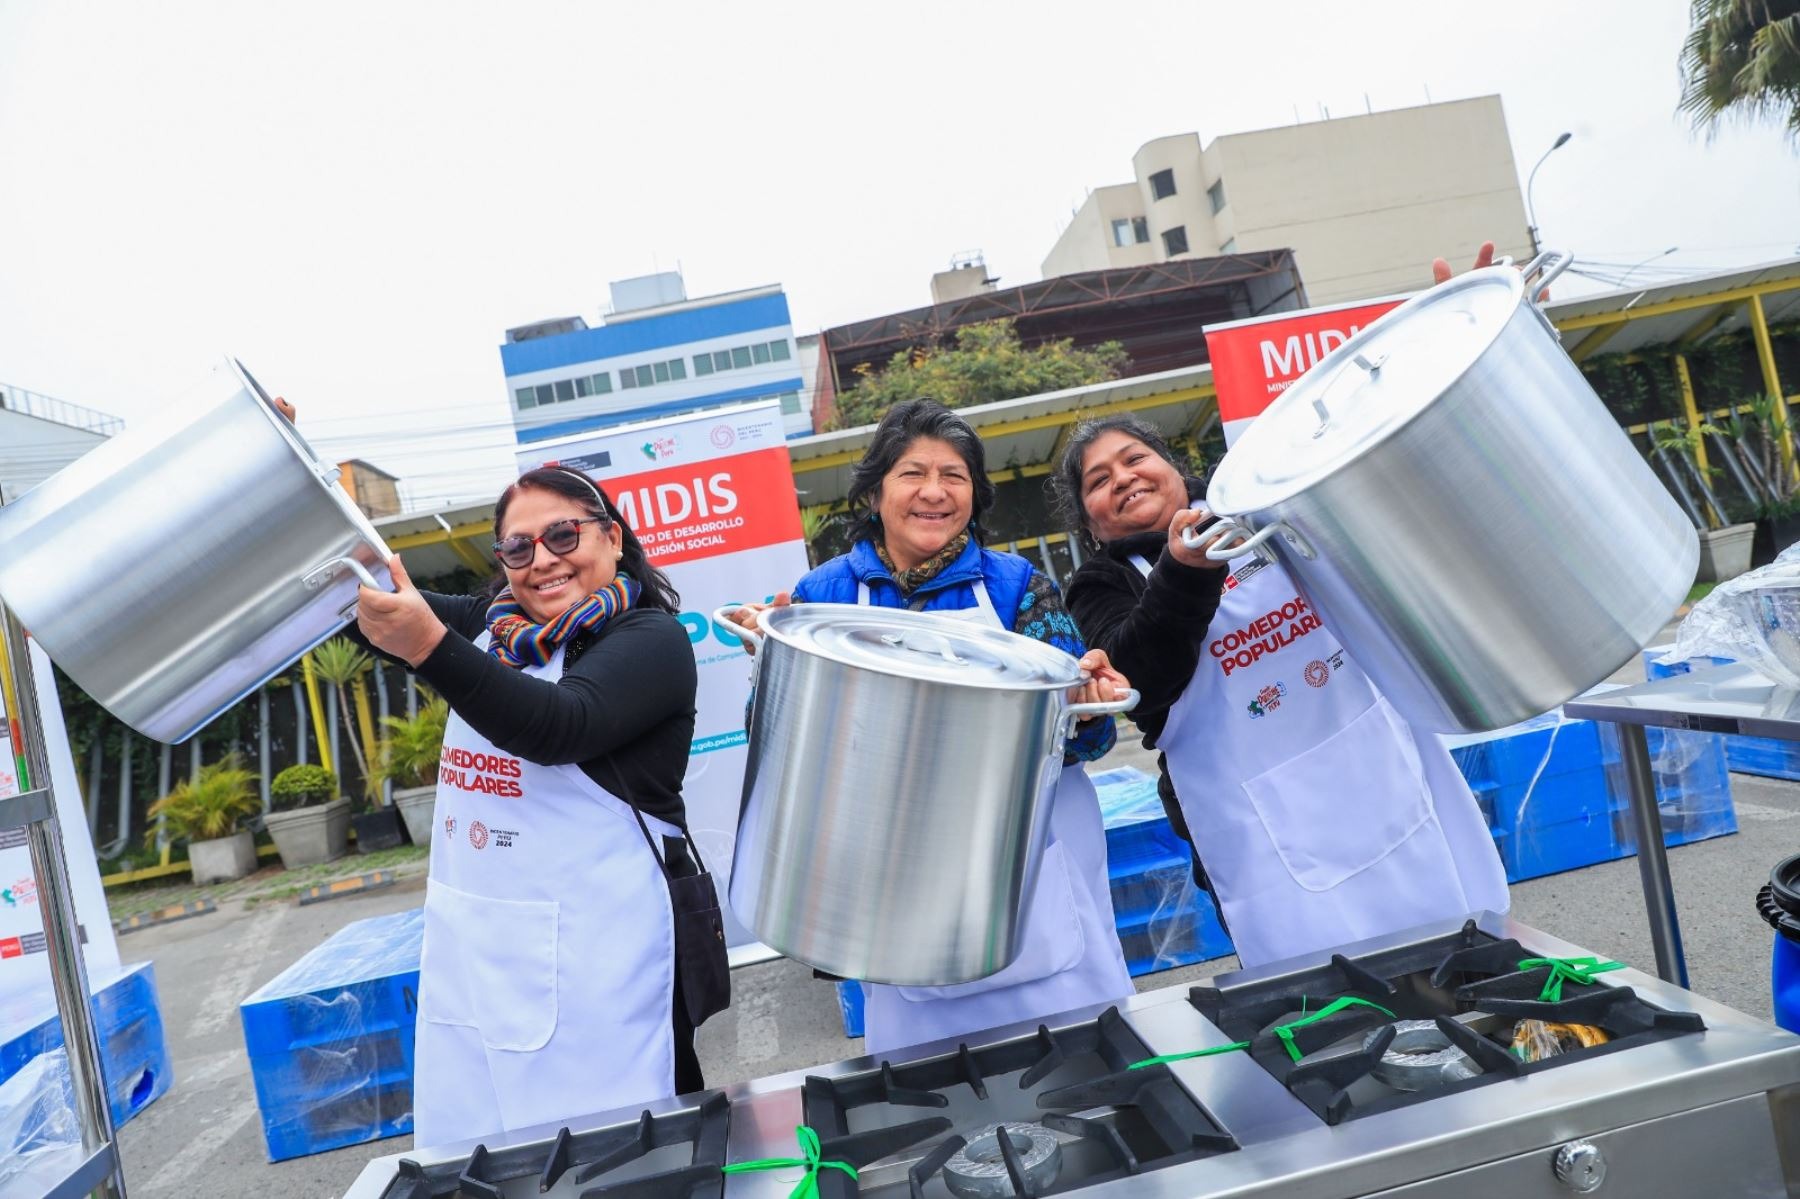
<point x="1469" y="986"/>
<point x="1004" y="1159"/>
<point x="1420" y="1056"/>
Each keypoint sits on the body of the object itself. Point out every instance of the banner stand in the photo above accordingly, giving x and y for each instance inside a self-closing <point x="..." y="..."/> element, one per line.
<point x="34" y="810"/>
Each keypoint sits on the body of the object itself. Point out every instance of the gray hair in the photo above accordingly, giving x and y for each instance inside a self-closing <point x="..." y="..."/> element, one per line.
<point x="904" y="424"/>
<point x="1065" y="480"/>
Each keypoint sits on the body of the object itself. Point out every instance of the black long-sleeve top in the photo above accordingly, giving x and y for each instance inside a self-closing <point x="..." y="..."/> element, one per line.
<point x="1153" y="629"/>
<point x="623" y="710"/>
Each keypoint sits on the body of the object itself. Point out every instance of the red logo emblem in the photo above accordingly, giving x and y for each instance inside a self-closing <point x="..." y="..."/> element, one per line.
<point x="478" y="835"/>
<point x="1317" y="673"/>
<point x="723" y="437"/>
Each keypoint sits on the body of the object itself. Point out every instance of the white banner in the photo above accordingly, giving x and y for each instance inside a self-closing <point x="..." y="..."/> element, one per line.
<point x="22" y="961"/>
<point x="711" y="496"/>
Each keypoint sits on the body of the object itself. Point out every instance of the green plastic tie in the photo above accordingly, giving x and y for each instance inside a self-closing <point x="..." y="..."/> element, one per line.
<point x="1286" y="1031"/>
<point x="1575" y="970"/>
<point x="808" y="1185"/>
<point x="1182" y="1057"/>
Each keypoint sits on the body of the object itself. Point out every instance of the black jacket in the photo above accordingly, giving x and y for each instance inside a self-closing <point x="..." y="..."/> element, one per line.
<point x="623" y="710"/>
<point x="1153" y="629"/>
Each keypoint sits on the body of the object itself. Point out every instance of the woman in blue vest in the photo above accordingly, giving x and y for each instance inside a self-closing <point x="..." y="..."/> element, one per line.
<point x="919" y="494"/>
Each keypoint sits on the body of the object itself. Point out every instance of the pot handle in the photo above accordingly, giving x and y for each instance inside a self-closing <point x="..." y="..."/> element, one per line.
<point x="1073" y="714"/>
<point x="938" y="645"/>
<point x="722" y="617"/>
<point x="325" y="571"/>
<point x="1223" y="548"/>
<point x="1550" y="263"/>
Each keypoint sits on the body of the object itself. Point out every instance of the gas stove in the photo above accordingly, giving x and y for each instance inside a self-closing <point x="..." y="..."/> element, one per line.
<point x="1394" y="1067"/>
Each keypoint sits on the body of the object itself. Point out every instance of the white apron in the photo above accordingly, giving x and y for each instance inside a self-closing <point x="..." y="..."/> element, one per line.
<point x="546" y="981"/>
<point x="1321" y="817"/>
<point x="1070" y="955"/>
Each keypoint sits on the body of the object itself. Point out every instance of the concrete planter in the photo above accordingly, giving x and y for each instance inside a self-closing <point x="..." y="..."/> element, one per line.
<point x="224" y="859"/>
<point x="308" y="835"/>
<point x="1725" y="553"/>
<point x="417" y="806"/>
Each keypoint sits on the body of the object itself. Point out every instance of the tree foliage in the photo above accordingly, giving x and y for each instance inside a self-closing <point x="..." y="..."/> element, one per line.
<point x="1742" y="58"/>
<point x="982" y="364"/>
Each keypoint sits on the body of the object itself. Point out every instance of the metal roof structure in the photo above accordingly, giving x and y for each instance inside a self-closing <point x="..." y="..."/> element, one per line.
<point x="1025" y="435"/>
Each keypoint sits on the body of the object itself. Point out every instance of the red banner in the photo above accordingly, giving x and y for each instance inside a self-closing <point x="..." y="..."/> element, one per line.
<point x="1256" y="360"/>
<point x="703" y="509"/>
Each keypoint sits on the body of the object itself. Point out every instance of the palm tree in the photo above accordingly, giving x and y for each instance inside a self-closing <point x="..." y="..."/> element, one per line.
<point x="1742" y="58"/>
<point x="341" y="663"/>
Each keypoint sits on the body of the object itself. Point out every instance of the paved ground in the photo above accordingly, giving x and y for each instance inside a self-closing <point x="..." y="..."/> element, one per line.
<point x="204" y="1139"/>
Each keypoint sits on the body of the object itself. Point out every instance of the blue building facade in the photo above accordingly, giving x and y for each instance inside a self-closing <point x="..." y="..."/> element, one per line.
<point x="671" y="356"/>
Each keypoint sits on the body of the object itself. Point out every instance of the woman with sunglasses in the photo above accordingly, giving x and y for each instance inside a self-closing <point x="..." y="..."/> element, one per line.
<point x="548" y="981"/>
<point x="921" y="490"/>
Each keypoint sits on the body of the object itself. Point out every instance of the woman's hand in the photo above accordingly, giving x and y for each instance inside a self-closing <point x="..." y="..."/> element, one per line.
<point x="399" y="622"/>
<point x="1104" y="683"/>
<point x="1193" y="518"/>
<point x="745" y="617"/>
<point x="1441" y="271"/>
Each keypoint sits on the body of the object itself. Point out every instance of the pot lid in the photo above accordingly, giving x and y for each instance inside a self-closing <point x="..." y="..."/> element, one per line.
<point x="1365" y="390"/>
<point x="922" y="645"/>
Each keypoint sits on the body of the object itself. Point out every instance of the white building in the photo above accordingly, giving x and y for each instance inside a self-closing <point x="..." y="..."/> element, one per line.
<point x="39" y="436"/>
<point x="656" y="353"/>
<point x="1365" y="202"/>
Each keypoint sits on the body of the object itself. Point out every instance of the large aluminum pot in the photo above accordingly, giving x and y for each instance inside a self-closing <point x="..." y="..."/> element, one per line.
<point x="1460" y="508"/>
<point x="897" y="795"/>
<point x="175" y="568"/>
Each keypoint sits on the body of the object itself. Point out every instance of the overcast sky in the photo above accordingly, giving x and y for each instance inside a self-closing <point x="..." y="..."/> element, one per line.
<point x="358" y="199"/>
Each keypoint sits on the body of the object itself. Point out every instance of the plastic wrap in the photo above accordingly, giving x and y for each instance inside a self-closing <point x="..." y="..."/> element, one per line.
<point x="40" y="1138"/>
<point x="1554" y="793"/>
<point x="1163" y="919"/>
<point x="134" y="1056"/>
<point x="330" y="1039"/>
<point x="1754" y="619"/>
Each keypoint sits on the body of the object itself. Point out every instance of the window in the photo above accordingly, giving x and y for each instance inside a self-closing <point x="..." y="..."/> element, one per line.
<point x="703" y="364"/>
<point x="778" y="350"/>
<point x="1162" y="185"/>
<point x="790" y="403"/>
<point x="646" y="375"/>
<point x="565" y="389"/>
<point x="661" y="371"/>
<point x="526" y="398"/>
<point x="1216" y="194"/>
<point x="602" y="383"/>
<point x="546" y="394"/>
<point x="1230" y="246"/>
<point x="677" y="369"/>
<point x="1129" y="231"/>
<point x="627" y="379"/>
<point x="584" y="386"/>
<point x="760" y="351"/>
<point x="740" y="356"/>
<point x="1175" y="241"/>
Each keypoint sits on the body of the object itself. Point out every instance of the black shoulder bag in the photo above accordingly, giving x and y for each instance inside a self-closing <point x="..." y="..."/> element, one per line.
<point x="700" y="958"/>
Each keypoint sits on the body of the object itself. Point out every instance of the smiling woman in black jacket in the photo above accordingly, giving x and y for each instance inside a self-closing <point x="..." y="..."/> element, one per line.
<point x="1321" y="817"/>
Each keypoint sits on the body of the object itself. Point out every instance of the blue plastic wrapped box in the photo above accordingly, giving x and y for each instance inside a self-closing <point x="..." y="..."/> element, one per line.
<point x="134" y="1056"/>
<point x="331" y="1039"/>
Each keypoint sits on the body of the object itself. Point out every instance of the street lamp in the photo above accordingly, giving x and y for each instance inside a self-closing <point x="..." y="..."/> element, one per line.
<point x="1647" y="262"/>
<point x="1530" y="212"/>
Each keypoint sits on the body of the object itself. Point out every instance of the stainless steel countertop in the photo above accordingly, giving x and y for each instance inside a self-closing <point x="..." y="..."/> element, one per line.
<point x="1716" y="699"/>
<point x="1283" y="1143"/>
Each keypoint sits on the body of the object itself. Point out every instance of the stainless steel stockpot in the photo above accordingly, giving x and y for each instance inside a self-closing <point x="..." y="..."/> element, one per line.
<point x="1461" y="508"/>
<point x="175" y="568"/>
<point x="897" y="793"/>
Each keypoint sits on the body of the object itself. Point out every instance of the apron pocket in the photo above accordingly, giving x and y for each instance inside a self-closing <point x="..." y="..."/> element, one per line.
<point x="499" y="958"/>
<point x="1053" y="940"/>
<point x="1346" y="803"/>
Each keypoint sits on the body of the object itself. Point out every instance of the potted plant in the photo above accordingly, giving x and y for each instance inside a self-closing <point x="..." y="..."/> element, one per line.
<point x="208" y="812"/>
<point x="1724" y="546"/>
<point x="308" y="819"/>
<point x="342" y="663"/>
<point x="1756" y="439"/>
<point x="408" y="757"/>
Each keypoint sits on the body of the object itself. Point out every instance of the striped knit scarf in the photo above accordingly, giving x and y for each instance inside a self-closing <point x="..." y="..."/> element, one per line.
<point x="518" y="642"/>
